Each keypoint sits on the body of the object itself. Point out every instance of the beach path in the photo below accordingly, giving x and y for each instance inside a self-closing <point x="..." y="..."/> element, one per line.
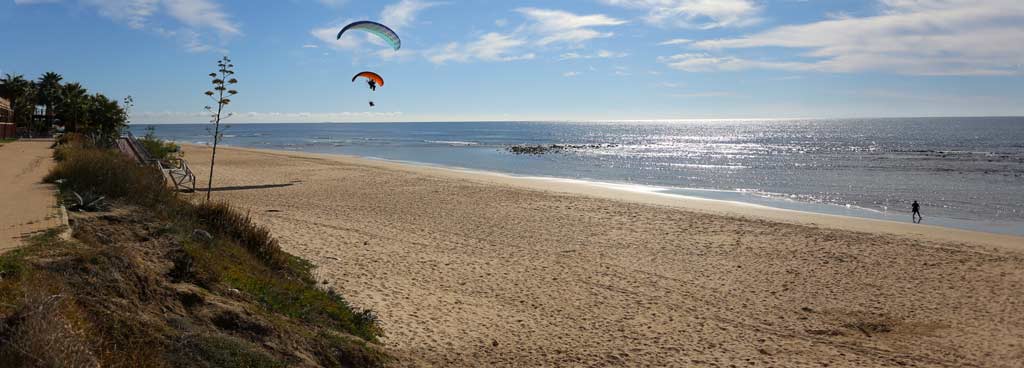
<point x="470" y="273"/>
<point x="27" y="205"/>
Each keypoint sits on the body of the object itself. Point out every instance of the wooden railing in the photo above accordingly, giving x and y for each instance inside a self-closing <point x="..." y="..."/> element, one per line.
<point x="175" y="169"/>
<point x="181" y="175"/>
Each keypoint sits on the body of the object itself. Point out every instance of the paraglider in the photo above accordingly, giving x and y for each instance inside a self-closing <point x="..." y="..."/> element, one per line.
<point x="373" y="79"/>
<point x="376" y="29"/>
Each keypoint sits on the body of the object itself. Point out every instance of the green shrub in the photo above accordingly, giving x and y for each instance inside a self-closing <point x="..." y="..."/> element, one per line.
<point x="222" y="218"/>
<point x="158" y="148"/>
<point x="215" y="351"/>
<point x="293" y="296"/>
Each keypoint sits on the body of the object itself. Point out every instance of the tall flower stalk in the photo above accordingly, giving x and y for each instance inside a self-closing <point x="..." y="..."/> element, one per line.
<point x="221" y="94"/>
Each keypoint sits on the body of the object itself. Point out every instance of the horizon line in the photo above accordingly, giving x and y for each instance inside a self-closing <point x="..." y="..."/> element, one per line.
<point x="592" y="120"/>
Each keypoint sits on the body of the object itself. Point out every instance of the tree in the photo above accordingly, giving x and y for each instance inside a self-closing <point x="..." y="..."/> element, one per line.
<point x="129" y="103"/>
<point x="107" y="120"/>
<point x="21" y="92"/>
<point x="74" y="110"/>
<point x="221" y="94"/>
<point x="49" y="93"/>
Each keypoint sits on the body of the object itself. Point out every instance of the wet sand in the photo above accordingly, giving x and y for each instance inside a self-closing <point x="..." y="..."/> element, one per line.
<point x="470" y="269"/>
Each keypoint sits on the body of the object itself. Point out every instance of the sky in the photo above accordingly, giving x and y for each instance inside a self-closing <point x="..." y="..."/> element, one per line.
<point x="476" y="60"/>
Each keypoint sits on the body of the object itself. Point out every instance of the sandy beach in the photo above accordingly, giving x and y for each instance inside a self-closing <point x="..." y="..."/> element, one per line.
<point x="471" y="269"/>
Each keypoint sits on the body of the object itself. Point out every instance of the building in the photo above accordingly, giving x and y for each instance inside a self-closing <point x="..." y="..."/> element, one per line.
<point x="7" y="128"/>
<point x="5" y="111"/>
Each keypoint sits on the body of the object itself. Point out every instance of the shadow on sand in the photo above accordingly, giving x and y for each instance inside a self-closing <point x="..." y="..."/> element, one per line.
<point x="247" y="187"/>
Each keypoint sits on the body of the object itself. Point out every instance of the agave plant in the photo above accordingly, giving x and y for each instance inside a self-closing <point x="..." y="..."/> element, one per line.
<point x="88" y="203"/>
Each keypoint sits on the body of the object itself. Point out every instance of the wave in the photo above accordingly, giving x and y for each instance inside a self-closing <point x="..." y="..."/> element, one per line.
<point x="454" y="143"/>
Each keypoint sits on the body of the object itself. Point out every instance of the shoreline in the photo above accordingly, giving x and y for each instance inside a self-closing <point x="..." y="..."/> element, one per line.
<point x="634" y="193"/>
<point x="468" y="269"/>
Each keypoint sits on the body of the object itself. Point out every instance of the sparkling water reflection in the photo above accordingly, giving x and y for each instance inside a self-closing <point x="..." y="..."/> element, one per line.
<point x="959" y="168"/>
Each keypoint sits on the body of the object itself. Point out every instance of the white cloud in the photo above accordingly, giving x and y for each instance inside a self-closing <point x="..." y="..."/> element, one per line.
<point x="571" y="56"/>
<point x="703" y="14"/>
<point x="489" y="47"/>
<point x="135" y="13"/>
<point x="308" y="46"/>
<point x="193" y="16"/>
<point x="544" y="27"/>
<point x="571" y="74"/>
<point x="333" y="3"/>
<point x="328" y="35"/>
<point x="916" y="37"/>
<point x="31" y="2"/>
<point x="558" y="26"/>
<point x="675" y="41"/>
<point x="403" y="13"/>
<point x="703" y="94"/>
<point x="601" y="54"/>
<point x="700" y="62"/>
<point x="201" y="14"/>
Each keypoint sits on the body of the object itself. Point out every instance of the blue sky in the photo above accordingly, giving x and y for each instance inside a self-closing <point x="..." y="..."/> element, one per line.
<point x="534" y="60"/>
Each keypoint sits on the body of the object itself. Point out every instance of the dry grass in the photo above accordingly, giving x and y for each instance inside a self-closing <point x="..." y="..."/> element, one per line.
<point x="42" y="327"/>
<point x="227" y="221"/>
<point x="137" y="288"/>
<point x="108" y="173"/>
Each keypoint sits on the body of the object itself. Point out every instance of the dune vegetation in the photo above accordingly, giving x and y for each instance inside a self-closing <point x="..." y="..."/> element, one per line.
<point x="152" y="279"/>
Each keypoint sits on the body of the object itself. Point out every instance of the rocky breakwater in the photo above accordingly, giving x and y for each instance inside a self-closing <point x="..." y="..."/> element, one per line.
<point x="541" y="149"/>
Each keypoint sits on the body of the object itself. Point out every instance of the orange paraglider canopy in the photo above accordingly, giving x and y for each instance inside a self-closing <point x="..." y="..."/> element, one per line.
<point x="371" y="76"/>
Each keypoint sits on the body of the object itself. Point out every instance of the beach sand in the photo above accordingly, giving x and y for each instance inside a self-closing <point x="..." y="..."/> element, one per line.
<point x="471" y="269"/>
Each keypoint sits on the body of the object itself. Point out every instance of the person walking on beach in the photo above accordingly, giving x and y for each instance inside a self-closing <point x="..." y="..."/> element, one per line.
<point x="916" y="215"/>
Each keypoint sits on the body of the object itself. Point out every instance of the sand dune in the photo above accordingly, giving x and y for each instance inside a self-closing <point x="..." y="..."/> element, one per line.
<point x="468" y="270"/>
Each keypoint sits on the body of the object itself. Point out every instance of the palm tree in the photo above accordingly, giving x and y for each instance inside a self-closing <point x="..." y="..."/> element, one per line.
<point x="21" y="92"/>
<point x="73" y="111"/>
<point x="50" y="93"/>
<point x="107" y="120"/>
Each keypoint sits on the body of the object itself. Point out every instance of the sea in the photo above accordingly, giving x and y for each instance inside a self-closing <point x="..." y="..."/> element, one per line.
<point x="966" y="172"/>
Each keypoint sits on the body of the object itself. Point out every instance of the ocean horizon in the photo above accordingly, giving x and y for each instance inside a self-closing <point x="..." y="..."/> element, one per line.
<point x="965" y="171"/>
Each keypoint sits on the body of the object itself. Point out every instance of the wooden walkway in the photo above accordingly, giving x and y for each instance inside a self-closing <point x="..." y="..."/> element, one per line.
<point x="27" y="206"/>
<point x="177" y="170"/>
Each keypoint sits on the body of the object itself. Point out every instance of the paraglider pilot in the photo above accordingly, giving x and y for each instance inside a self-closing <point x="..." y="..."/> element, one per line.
<point x="373" y="85"/>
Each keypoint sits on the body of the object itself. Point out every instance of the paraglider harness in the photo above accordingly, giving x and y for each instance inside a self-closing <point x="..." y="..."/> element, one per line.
<point x="373" y="85"/>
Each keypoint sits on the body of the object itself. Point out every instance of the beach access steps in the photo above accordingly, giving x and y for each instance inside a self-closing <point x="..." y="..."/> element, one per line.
<point x="176" y="170"/>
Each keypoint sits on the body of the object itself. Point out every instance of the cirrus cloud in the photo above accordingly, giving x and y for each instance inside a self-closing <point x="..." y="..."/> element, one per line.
<point x="702" y="14"/>
<point x="191" y="18"/>
<point x="488" y="47"/>
<point x="559" y="26"/>
<point x="914" y="37"/>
